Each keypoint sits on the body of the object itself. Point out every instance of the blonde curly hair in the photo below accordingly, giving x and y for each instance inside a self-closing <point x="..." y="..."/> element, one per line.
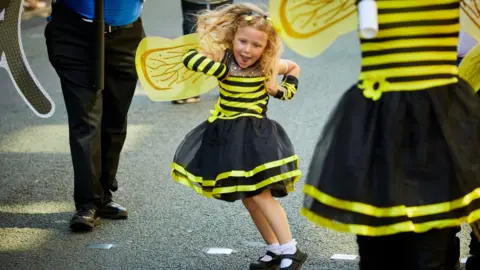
<point x="217" y="29"/>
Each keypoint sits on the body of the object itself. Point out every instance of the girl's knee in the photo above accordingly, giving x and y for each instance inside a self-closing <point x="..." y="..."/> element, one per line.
<point x="266" y="195"/>
<point x="254" y="202"/>
<point x="249" y="203"/>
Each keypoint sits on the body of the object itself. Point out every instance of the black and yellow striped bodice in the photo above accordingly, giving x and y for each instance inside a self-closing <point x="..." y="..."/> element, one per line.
<point x="242" y="90"/>
<point x="415" y="48"/>
<point x="242" y="93"/>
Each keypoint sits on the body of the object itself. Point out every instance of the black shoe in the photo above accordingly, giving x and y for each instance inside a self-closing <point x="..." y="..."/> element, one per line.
<point x="113" y="210"/>
<point x="298" y="259"/>
<point x="270" y="265"/>
<point x="84" y="220"/>
<point x="473" y="263"/>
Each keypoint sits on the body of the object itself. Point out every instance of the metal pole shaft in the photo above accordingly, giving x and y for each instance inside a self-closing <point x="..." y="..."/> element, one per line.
<point x="99" y="23"/>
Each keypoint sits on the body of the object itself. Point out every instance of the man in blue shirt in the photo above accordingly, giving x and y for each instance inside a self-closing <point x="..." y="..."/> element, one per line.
<point x="97" y="120"/>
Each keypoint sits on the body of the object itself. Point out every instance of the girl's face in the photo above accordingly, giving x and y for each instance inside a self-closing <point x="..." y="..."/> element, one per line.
<point x="248" y="45"/>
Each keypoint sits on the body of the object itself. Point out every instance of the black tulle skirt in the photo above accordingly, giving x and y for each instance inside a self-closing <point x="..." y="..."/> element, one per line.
<point x="409" y="162"/>
<point x="234" y="159"/>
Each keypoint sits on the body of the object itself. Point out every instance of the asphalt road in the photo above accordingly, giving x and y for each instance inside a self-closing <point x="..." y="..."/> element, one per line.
<point x="170" y="227"/>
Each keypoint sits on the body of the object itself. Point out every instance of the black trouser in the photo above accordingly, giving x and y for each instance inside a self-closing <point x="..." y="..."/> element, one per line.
<point x="433" y="250"/>
<point x="190" y="10"/>
<point x="97" y="120"/>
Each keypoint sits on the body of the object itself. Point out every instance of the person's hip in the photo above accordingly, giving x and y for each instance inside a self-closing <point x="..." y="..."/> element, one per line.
<point x="201" y="5"/>
<point x="64" y="14"/>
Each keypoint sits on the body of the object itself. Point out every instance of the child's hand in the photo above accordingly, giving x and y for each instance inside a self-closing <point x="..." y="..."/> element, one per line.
<point x="272" y="87"/>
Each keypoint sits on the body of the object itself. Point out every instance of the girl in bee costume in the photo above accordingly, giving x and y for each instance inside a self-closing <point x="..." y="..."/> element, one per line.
<point x="398" y="162"/>
<point x="238" y="153"/>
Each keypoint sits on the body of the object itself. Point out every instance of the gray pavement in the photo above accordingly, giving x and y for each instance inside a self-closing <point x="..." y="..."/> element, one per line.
<point x="170" y="226"/>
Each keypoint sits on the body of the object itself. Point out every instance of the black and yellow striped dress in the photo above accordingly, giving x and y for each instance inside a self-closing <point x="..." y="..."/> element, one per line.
<point x="401" y="151"/>
<point x="238" y="152"/>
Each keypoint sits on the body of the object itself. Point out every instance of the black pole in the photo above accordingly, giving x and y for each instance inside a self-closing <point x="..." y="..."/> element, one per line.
<point x="100" y="44"/>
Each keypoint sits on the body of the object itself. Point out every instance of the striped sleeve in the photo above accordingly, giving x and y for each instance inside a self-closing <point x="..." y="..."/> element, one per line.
<point x="195" y="61"/>
<point x="288" y="89"/>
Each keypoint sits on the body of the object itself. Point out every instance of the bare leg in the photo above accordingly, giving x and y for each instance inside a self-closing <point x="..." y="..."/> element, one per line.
<point x="260" y="221"/>
<point x="274" y="215"/>
<point x="272" y="222"/>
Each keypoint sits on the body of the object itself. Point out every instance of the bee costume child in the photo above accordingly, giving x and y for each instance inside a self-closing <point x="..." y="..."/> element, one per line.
<point x="238" y="153"/>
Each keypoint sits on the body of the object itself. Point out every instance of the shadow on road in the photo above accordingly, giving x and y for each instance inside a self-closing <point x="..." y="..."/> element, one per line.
<point x="57" y="221"/>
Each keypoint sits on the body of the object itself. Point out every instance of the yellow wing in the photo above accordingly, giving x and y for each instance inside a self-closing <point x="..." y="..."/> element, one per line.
<point x="309" y="27"/>
<point x="470" y="17"/>
<point x="470" y="23"/>
<point x="161" y="71"/>
<point x="470" y="66"/>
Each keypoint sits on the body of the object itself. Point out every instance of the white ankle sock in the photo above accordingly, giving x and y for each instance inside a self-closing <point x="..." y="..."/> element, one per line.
<point x="275" y="248"/>
<point x="288" y="248"/>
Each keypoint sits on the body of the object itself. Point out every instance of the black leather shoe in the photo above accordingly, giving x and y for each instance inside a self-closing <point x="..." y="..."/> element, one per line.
<point x="112" y="210"/>
<point x="84" y="220"/>
<point x="298" y="259"/>
<point x="270" y="265"/>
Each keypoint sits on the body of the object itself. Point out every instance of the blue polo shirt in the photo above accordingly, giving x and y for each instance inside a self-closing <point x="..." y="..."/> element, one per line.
<point x="117" y="12"/>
